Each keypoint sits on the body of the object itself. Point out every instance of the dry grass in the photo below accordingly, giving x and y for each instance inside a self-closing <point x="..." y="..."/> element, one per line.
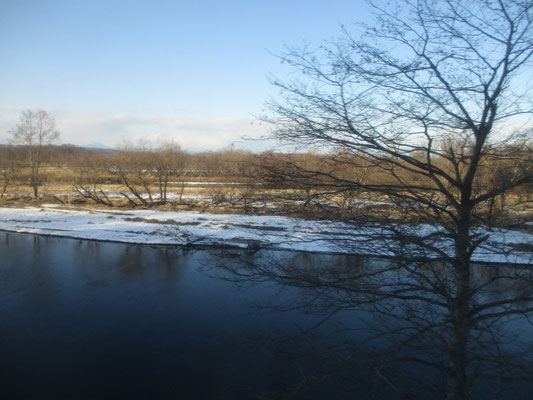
<point x="235" y="199"/>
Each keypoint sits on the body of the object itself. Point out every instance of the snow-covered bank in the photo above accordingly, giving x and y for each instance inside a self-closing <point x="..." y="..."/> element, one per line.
<point x="195" y="228"/>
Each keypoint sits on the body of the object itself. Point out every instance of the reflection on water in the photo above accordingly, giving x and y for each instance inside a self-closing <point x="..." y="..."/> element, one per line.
<point x="420" y="329"/>
<point x="83" y="319"/>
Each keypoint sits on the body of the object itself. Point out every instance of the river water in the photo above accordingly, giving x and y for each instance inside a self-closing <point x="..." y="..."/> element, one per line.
<point x="84" y="319"/>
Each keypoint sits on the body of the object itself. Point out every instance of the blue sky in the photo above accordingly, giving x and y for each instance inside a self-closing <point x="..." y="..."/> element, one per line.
<point x="192" y="70"/>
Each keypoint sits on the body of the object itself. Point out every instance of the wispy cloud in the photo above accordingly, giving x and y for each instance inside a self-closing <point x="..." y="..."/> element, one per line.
<point x="192" y="133"/>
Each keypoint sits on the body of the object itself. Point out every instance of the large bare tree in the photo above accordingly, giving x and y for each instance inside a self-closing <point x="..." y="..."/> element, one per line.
<point x="431" y="96"/>
<point x="36" y="130"/>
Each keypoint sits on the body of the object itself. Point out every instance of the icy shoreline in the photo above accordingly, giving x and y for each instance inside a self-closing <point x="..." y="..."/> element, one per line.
<point x="187" y="228"/>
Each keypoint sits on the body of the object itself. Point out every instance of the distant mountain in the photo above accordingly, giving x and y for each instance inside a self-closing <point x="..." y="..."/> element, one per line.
<point x="99" y="146"/>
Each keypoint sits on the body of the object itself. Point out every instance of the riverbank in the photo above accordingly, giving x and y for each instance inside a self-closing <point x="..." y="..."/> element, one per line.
<point x="189" y="228"/>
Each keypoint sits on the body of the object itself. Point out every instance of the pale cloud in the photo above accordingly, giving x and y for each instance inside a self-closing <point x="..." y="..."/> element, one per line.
<point x="192" y="133"/>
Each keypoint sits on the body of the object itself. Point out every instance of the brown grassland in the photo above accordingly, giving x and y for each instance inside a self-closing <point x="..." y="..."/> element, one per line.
<point x="230" y="181"/>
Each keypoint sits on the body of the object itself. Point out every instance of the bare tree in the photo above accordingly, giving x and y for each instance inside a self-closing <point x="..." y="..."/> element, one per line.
<point x="168" y="161"/>
<point x="133" y="166"/>
<point x="10" y="167"/>
<point x="92" y="174"/>
<point x="428" y="95"/>
<point x="35" y="130"/>
<point x="9" y="171"/>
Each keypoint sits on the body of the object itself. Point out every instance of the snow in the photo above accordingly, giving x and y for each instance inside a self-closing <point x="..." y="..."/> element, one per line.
<point x="273" y="232"/>
<point x="190" y="183"/>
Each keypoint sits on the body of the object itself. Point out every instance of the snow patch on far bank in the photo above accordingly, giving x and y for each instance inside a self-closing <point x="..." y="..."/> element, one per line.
<point x="274" y="232"/>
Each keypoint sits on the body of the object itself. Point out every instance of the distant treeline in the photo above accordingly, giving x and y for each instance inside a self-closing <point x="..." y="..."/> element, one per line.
<point x="204" y="164"/>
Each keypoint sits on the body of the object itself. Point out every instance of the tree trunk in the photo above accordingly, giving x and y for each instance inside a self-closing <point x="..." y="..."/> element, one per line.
<point x="165" y="186"/>
<point x="34" y="184"/>
<point x="459" y="313"/>
<point x="35" y="160"/>
<point x="182" y="185"/>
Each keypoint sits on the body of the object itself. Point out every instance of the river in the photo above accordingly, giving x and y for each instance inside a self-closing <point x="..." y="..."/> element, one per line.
<point x="87" y="319"/>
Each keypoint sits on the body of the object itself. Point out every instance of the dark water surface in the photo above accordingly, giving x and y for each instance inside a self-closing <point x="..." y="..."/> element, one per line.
<point x="82" y="319"/>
